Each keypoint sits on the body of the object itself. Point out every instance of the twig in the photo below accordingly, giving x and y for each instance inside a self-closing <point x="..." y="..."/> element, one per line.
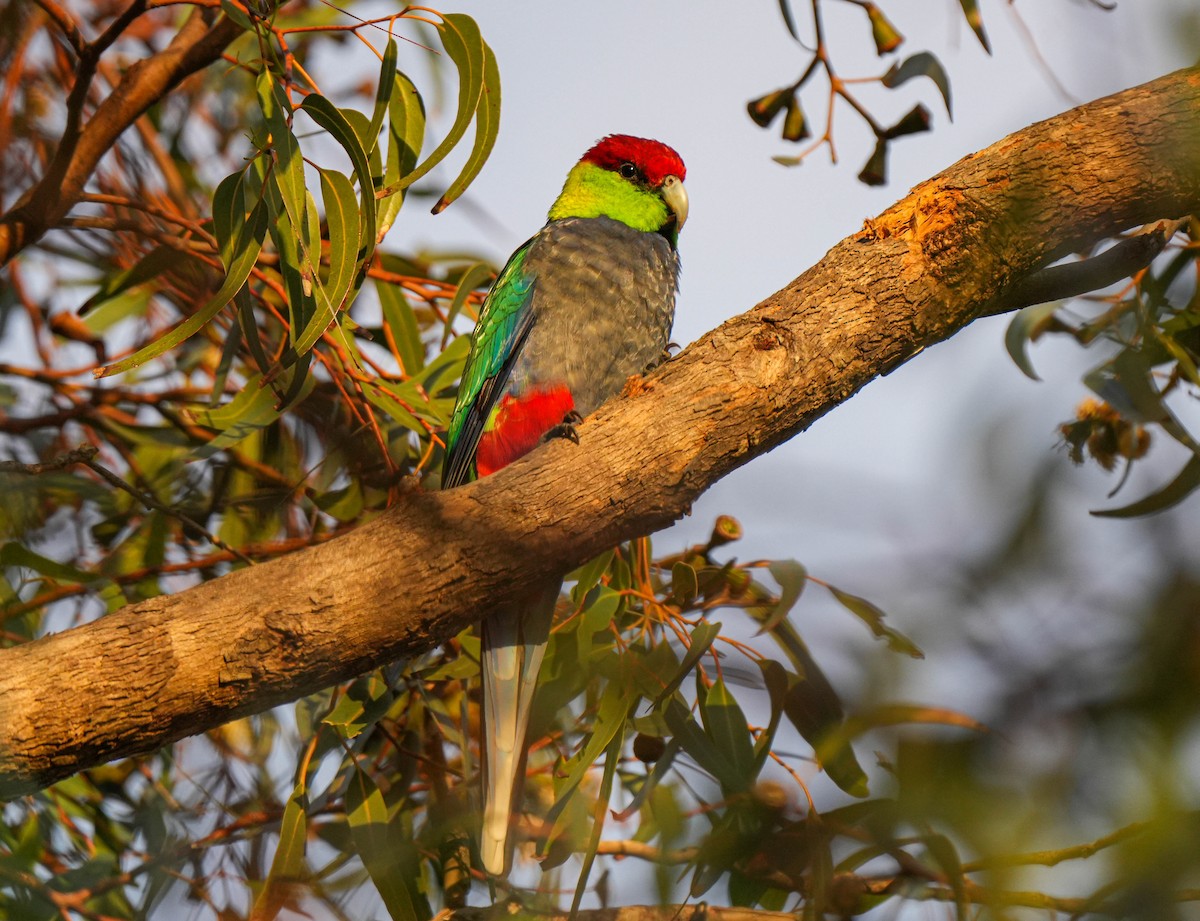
<point x="81" y="455"/>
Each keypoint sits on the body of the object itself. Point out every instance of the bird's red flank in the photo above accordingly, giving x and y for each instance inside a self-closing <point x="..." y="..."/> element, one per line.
<point x="654" y="159"/>
<point x="519" y="425"/>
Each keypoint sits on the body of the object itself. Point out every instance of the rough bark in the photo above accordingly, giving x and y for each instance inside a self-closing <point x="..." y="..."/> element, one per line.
<point x="953" y="249"/>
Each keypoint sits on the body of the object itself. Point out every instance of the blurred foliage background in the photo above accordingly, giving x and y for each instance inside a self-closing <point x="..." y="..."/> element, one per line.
<point x="275" y="367"/>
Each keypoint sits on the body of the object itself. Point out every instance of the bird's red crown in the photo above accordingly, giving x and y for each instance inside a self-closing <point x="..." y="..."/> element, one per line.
<point x="655" y="160"/>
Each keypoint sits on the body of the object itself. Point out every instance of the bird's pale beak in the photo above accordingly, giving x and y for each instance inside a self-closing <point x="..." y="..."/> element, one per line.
<point x="675" y="195"/>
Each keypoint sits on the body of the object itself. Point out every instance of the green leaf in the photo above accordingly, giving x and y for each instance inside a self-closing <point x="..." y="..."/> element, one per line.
<point x="696" y="743"/>
<point x="785" y="10"/>
<point x="612" y="758"/>
<point x="15" y="554"/>
<point x="401" y="322"/>
<point x="974" y="19"/>
<point x="361" y="705"/>
<point x="487" y="127"/>
<point x="701" y="639"/>
<point x="792" y="576"/>
<point x="406" y="134"/>
<point x="726" y="725"/>
<point x="775" y="678"/>
<point x="588" y="575"/>
<point x="616" y="704"/>
<point x="289" y="164"/>
<point x="1185" y="483"/>
<point x="1126" y="383"/>
<point x="342" y="216"/>
<point x="600" y="613"/>
<point x="472" y="278"/>
<point x="254" y="407"/>
<point x="873" y="617"/>
<point x="387" y="80"/>
<point x="235" y="13"/>
<point x="287" y="865"/>
<point x="465" y="46"/>
<point x="381" y="393"/>
<point x="229" y="215"/>
<point x="379" y="849"/>
<point x="685" y="586"/>
<point x="1026" y="325"/>
<point x="923" y="64"/>
<point x="249" y="244"/>
<point x="946" y="856"/>
<point x="329" y="117"/>
<point x="150" y="266"/>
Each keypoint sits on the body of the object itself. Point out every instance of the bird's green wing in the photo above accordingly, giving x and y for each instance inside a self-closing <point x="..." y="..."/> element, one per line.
<point x="504" y="323"/>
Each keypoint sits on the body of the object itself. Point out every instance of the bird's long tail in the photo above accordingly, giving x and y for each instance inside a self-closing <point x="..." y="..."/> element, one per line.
<point x="511" y="657"/>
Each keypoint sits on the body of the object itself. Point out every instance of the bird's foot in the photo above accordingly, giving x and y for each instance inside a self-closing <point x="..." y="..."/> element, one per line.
<point x="565" y="429"/>
<point x="670" y="350"/>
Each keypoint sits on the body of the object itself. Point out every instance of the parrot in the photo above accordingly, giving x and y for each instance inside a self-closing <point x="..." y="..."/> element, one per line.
<point x="577" y="310"/>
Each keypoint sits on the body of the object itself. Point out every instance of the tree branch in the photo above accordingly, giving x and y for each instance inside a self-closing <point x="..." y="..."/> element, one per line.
<point x="950" y="251"/>
<point x="46" y="203"/>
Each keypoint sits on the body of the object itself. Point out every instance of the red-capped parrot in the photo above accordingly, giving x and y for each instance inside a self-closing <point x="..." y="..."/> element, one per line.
<point x="577" y="310"/>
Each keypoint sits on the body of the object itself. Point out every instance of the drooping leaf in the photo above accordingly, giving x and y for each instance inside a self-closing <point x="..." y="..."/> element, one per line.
<point x="698" y="745"/>
<point x="383" y="93"/>
<point x="254" y="407"/>
<point x="288" y="172"/>
<point x="792" y="576"/>
<point x="612" y="758"/>
<point x="1025" y="326"/>
<point x="380" y="850"/>
<point x="685" y="586"/>
<point x="487" y="128"/>
<point x="974" y="19"/>
<point x="611" y="716"/>
<point x="873" y="617"/>
<point x="406" y="134"/>
<point x="945" y="854"/>
<point x="472" y="278"/>
<point x="287" y="866"/>
<point x="159" y="260"/>
<point x="726" y="725"/>
<point x="400" y="323"/>
<point x="701" y="639"/>
<point x="331" y="118"/>
<point x="922" y="64"/>
<point x="249" y="243"/>
<point x="465" y="47"/>
<point x="342" y="217"/>
<point x="1185" y="483"/>
<point x="785" y="10"/>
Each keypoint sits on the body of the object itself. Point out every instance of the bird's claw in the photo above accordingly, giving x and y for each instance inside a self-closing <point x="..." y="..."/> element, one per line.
<point x="565" y="429"/>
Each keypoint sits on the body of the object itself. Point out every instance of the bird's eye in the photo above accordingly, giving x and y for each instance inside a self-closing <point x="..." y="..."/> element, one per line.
<point x="628" y="170"/>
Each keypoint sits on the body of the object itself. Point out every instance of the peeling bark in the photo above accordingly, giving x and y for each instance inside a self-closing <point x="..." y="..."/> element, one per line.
<point x="957" y="247"/>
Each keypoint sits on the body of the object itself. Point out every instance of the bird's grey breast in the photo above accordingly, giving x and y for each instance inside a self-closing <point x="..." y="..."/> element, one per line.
<point x="604" y="301"/>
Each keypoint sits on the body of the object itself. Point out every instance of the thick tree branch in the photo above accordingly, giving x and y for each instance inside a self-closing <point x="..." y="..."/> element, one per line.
<point x="950" y="251"/>
<point x="197" y="45"/>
